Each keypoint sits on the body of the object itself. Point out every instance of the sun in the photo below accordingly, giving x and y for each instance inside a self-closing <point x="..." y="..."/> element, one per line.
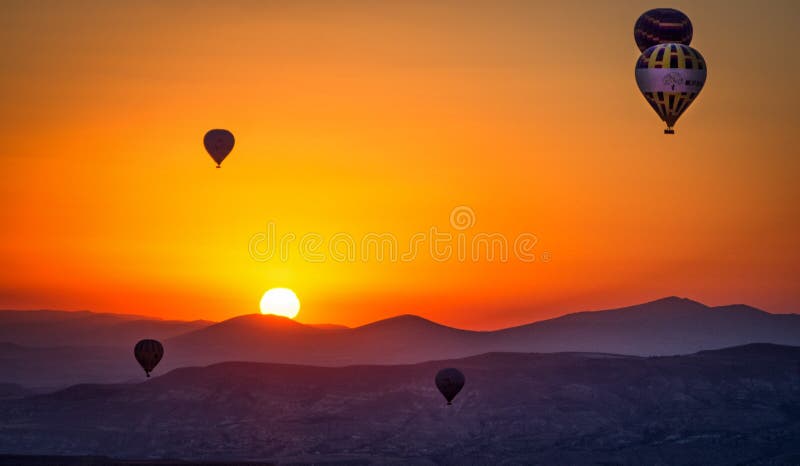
<point x="280" y="302"/>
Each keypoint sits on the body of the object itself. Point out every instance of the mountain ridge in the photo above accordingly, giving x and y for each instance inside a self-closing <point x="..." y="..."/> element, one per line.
<point x="667" y="326"/>
<point x="48" y="328"/>
<point x="409" y="318"/>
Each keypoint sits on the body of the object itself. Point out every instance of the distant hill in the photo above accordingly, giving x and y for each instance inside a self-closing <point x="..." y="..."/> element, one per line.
<point x="269" y="338"/>
<point x="45" y="349"/>
<point x="83" y="328"/>
<point x="667" y="326"/>
<point x="49" y="368"/>
<point x="11" y="390"/>
<point x="733" y="406"/>
<point x="663" y="327"/>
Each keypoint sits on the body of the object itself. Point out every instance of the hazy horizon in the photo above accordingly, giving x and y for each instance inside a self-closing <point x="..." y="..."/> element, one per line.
<point x="416" y="314"/>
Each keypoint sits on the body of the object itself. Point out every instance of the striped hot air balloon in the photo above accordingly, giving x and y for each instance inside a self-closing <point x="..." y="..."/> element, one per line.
<point x="148" y="353"/>
<point x="670" y="76"/>
<point x="662" y="26"/>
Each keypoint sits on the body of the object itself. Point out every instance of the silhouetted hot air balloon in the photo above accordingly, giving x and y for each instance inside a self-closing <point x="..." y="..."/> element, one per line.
<point x="148" y="353"/>
<point x="662" y="26"/>
<point x="449" y="381"/>
<point x="670" y="77"/>
<point x="219" y="143"/>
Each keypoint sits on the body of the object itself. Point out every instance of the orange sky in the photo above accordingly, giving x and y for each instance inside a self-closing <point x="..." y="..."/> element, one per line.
<point x="354" y="117"/>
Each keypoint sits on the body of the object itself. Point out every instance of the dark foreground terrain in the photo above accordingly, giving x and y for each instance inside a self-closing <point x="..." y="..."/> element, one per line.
<point x="734" y="406"/>
<point x="33" y="460"/>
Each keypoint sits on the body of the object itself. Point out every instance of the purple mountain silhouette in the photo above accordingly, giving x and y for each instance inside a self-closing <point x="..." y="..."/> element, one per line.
<point x="667" y="326"/>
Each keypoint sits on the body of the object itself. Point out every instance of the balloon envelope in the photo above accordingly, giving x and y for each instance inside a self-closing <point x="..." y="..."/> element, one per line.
<point x="661" y="26"/>
<point x="670" y="76"/>
<point x="219" y="143"/>
<point x="148" y="353"/>
<point x="449" y="382"/>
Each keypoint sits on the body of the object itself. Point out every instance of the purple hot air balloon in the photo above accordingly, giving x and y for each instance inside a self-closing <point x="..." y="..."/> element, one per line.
<point x="148" y="353"/>
<point x="662" y="26"/>
<point x="219" y="143"/>
<point x="449" y="381"/>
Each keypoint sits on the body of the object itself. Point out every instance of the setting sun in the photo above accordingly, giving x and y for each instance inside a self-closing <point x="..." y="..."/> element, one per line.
<point x="281" y="302"/>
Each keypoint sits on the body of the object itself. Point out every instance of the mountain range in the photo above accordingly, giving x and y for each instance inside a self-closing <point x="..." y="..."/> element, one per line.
<point x="50" y="349"/>
<point x="47" y="328"/>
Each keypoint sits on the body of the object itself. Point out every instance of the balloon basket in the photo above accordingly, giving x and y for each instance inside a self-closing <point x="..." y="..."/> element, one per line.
<point x="669" y="131"/>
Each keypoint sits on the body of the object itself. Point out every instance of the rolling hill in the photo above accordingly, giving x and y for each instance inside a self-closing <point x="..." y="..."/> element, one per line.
<point x="663" y="327"/>
<point x="46" y="328"/>
<point x="667" y="326"/>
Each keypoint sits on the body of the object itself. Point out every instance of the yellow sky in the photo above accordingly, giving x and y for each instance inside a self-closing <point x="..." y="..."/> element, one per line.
<point x="357" y="117"/>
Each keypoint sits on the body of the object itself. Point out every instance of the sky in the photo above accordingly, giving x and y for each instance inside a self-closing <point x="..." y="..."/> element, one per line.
<point x="397" y="120"/>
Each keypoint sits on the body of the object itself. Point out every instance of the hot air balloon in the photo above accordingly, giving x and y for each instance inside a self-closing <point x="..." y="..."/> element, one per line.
<point x="670" y="77"/>
<point x="449" y="382"/>
<point x="219" y="143"/>
<point x="661" y="26"/>
<point x="148" y="353"/>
